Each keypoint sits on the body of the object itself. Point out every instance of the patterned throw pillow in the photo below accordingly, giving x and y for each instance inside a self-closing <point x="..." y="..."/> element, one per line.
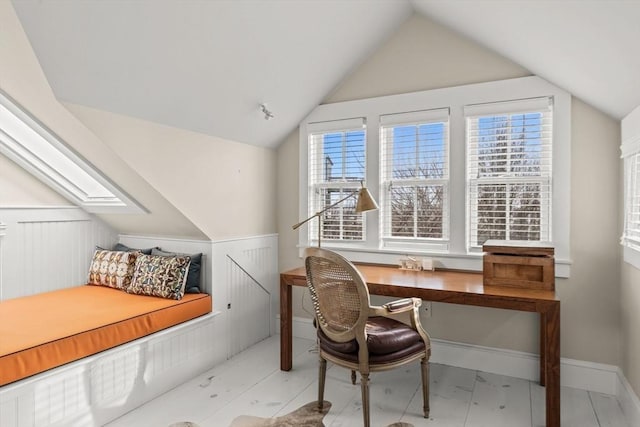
<point x="111" y="268"/>
<point x="192" y="286"/>
<point x="160" y="276"/>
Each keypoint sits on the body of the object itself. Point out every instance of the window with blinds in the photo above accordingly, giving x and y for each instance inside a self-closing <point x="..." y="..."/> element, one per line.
<point x="509" y="171"/>
<point x="336" y="169"/>
<point x="415" y="175"/>
<point x="631" y="235"/>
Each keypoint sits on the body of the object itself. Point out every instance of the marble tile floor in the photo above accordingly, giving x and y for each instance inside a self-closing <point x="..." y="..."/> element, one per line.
<point x="251" y="383"/>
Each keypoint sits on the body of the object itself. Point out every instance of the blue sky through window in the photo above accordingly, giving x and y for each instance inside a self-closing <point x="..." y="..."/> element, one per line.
<point x="419" y="151"/>
<point x="344" y="156"/>
<point x="418" y="154"/>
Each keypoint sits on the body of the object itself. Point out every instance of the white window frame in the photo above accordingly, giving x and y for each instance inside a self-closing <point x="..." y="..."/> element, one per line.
<point x="473" y="113"/>
<point x="414" y="118"/>
<point x="315" y="177"/>
<point x="630" y="149"/>
<point x="33" y="146"/>
<point x="455" y="99"/>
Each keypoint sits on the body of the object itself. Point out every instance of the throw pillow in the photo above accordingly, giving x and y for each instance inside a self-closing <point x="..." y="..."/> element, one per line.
<point x="125" y="248"/>
<point x="112" y="268"/>
<point x="160" y="276"/>
<point x="193" y="278"/>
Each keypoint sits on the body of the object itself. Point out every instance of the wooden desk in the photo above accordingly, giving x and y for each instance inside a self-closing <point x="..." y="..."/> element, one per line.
<point x="455" y="288"/>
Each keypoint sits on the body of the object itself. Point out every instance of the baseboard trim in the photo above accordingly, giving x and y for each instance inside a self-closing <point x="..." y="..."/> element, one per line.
<point x="628" y="399"/>
<point x="579" y="374"/>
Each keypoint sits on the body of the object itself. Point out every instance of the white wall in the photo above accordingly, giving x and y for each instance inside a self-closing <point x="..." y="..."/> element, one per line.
<point x="424" y="55"/>
<point x="225" y="187"/>
<point x="20" y="188"/>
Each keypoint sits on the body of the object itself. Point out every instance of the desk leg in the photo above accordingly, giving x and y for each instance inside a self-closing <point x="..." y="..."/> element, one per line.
<point x="286" y="327"/>
<point x="543" y="349"/>
<point x="552" y="364"/>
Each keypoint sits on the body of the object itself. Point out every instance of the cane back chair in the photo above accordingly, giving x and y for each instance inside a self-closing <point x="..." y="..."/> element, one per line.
<point x="357" y="336"/>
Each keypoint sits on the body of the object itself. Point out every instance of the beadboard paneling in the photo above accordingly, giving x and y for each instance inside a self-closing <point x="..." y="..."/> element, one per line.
<point x="245" y="272"/>
<point x="100" y="388"/>
<point x="241" y="275"/>
<point x="45" y="249"/>
<point x="250" y="310"/>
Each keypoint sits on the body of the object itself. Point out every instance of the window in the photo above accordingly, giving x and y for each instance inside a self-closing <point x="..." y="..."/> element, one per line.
<point x="34" y="147"/>
<point x="336" y="170"/>
<point x="631" y="157"/>
<point x="631" y="237"/>
<point x="449" y="167"/>
<point x="415" y="178"/>
<point x="509" y="165"/>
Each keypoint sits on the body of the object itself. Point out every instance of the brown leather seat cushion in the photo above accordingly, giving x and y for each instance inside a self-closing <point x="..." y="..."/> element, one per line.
<point x="387" y="340"/>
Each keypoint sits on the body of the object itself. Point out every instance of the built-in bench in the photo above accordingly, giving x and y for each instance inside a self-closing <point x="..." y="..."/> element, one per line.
<point x="239" y="274"/>
<point x="85" y="355"/>
<point x="44" y="331"/>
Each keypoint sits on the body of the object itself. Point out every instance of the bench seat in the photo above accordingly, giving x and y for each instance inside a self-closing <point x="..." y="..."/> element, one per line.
<point x="43" y="331"/>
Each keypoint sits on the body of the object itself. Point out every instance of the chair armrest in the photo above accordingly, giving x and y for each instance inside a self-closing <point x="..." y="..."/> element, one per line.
<point x="402" y="304"/>
<point x="398" y="306"/>
<point x="409" y="308"/>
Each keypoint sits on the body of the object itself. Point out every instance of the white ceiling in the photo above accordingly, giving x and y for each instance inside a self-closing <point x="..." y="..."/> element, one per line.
<point x="207" y="65"/>
<point x="588" y="47"/>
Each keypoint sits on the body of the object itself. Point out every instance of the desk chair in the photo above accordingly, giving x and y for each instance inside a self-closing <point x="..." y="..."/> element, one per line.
<point x="357" y="336"/>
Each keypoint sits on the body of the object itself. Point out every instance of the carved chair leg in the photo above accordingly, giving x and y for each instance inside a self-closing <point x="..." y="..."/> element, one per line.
<point x="365" y="398"/>
<point x="322" y="374"/>
<point x="424" y="365"/>
<point x="353" y="377"/>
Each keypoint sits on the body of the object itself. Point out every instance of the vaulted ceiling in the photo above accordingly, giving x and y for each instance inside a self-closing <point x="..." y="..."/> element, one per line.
<point x="206" y="66"/>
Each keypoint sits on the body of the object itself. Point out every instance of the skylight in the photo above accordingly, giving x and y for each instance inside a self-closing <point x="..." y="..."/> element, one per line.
<point x="34" y="147"/>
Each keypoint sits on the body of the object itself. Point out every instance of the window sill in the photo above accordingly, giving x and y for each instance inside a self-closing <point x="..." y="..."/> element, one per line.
<point x="454" y="261"/>
<point x="631" y="256"/>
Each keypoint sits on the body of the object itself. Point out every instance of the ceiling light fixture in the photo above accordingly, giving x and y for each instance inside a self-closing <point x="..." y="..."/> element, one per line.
<point x="268" y="115"/>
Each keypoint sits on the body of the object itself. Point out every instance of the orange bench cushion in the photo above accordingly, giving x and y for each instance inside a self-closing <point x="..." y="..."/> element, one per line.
<point x="43" y="331"/>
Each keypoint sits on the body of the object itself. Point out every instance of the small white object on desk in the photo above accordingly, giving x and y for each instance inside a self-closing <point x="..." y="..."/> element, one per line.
<point x="416" y="264"/>
<point x="427" y="264"/>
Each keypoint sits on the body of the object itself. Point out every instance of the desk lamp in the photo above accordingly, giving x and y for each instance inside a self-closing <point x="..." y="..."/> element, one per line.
<point x="364" y="203"/>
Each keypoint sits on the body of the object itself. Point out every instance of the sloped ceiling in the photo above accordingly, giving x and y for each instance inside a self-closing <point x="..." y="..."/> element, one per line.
<point x="206" y="66"/>
<point x="21" y="78"/>
<point x="588" y="47"/>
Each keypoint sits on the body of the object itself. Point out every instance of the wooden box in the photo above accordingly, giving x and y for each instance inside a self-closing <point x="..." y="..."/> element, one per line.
<point x="521" y="264"/>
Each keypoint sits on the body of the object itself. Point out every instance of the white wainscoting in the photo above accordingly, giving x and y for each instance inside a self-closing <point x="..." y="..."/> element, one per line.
<point x="247" y="268"/>
<point x="241" y="275"/>
<point x="45" y="249"/>
<point x="102" y="387"/>
<point x="3" y="232"/>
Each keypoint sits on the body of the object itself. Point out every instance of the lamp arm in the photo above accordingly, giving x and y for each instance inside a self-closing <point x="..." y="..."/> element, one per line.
<point x="295" y="227"/>
<point x="317" y="214"/>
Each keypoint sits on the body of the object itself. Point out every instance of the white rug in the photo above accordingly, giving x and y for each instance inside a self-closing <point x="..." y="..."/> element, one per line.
<point x="305" y="416"/>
